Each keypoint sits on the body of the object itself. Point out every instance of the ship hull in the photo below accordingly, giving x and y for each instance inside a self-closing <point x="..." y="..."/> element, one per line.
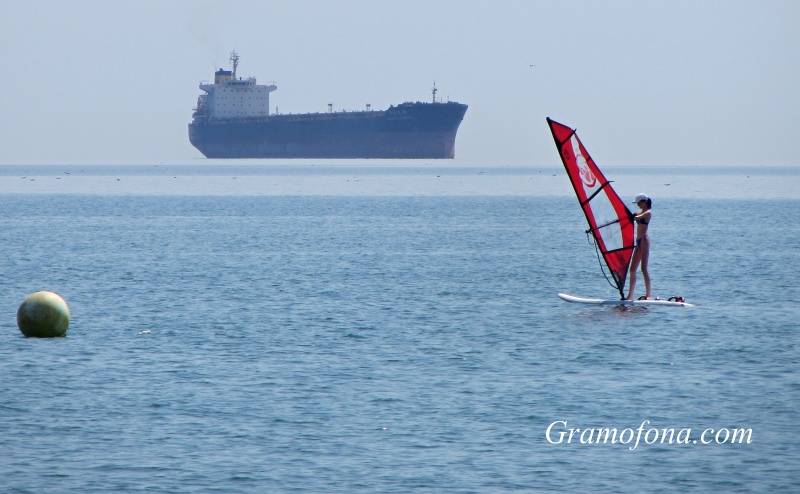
<point x="410" y="130"/>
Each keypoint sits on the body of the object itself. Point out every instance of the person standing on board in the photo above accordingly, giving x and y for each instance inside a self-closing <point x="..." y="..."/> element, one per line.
<point x="641" y="251"/>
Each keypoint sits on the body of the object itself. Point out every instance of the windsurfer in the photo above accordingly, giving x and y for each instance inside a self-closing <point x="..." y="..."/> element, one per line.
<point x="641" y="252"/>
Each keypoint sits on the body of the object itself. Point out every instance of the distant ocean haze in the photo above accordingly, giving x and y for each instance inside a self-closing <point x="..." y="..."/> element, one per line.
<point x="389" y="178"/>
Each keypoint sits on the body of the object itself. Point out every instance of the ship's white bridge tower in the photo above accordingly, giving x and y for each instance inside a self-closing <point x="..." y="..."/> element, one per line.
<point x="231" y="98"/>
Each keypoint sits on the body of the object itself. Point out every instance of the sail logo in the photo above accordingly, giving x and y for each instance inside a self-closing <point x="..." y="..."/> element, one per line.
<point x="587" y="177"/>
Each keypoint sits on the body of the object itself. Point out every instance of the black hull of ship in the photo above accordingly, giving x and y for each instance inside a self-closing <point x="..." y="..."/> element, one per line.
<point x="407" y="131"/>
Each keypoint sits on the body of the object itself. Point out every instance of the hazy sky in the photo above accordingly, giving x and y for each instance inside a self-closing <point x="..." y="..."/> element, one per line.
<point x="654" y="83"/>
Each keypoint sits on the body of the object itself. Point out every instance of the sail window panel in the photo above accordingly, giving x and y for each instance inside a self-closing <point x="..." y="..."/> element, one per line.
<point x="606" y="218"/>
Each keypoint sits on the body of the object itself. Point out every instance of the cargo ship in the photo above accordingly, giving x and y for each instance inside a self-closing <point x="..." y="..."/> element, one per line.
<point x="232" y="120"/>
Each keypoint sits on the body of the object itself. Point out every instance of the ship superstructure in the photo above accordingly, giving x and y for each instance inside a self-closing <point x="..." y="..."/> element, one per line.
<point x="231" y="98"/>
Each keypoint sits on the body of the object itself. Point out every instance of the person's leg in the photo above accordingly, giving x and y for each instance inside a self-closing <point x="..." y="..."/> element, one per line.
<point x="645" y="273"/>
<point x="637" y="256"/>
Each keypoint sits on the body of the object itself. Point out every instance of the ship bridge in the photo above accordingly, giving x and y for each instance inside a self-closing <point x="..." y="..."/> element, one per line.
<point x="232" y="98"/>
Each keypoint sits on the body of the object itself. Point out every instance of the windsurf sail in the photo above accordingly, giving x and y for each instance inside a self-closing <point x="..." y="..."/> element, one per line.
<point x="610" y="220"/>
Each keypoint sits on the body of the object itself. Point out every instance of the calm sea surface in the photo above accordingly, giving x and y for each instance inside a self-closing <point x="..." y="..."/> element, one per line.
<point x="358" y="328"/>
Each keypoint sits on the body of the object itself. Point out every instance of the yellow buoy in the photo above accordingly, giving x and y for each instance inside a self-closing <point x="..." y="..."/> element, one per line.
<point x="43" y="315"/>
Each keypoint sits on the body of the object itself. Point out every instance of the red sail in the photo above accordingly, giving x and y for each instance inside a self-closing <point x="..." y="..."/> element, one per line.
<point x="609" y="219"/>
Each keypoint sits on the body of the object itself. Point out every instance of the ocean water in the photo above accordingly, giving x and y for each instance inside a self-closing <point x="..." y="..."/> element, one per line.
<point x="359" y="328"/>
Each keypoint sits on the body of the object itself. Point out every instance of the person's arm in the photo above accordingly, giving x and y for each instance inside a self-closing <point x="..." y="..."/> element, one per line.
<point x="643" y="215"/>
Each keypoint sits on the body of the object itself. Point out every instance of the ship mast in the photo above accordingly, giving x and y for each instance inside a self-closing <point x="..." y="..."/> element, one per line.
<point x="234" y="62"/>
<point x="434" y="91"/>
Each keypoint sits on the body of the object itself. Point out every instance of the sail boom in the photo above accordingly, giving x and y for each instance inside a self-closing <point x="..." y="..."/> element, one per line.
<point x="603" y="226"/>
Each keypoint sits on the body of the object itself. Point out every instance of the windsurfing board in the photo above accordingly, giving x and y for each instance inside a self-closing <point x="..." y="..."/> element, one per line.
<point x="637" y="303"/>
